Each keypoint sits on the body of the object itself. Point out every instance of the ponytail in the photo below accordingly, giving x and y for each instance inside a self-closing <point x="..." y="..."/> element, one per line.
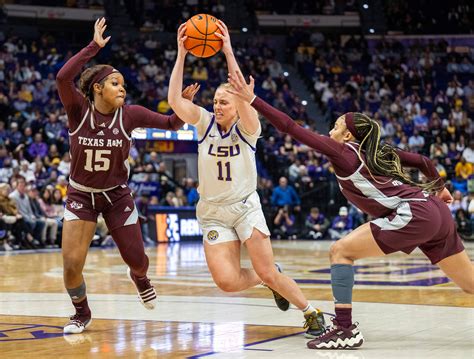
<point x="383" y="159"/>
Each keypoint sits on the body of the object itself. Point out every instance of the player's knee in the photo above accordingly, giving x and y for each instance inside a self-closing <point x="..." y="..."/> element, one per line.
<point x="227" y="284"/>
<point x="268" y="276"/>
<point x="468" y="289"/>
<point x="72" y="266"/>
<point x="336" y="251"/>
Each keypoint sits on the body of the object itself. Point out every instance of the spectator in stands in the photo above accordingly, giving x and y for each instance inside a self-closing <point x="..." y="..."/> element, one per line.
<point x="316" y="224"/>
<point x="38" y="148"/>
<point x="341" y="224"/>
<point x="50" y="224"/>
<point x="284" y="224"/>
<point x="14" y="220"/>
<point x="468" y="153"/>
<point x="35" y="224"/>
<point x="191" y="192"/>
<point x="463" y="169"/>
<point x="285" y="195"/>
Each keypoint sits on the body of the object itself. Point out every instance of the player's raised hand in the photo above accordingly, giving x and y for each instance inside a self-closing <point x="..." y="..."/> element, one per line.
<point x="181" y="38"/>
<point x="190" y="91"/>
<point x="224" y="36"/>
<point x="241" y="89"/>
<point x="99" y="28"/>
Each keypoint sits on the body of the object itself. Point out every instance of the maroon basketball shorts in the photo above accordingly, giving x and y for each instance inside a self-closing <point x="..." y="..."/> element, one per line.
<point x="424" y="224"/>
<point x="117" y="206"/>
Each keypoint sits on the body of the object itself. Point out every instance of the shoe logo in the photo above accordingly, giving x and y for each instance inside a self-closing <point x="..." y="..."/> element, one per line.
<point x="75" y="205"/>
<point x="100" y="133"/>
<point x="127" y="209"/>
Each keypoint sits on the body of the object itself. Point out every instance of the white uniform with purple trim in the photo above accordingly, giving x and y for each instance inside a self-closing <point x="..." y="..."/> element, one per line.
<point x="229" y="206"/>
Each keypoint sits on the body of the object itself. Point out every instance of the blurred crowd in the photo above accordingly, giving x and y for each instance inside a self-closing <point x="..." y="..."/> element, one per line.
<point x="422" y="95"/>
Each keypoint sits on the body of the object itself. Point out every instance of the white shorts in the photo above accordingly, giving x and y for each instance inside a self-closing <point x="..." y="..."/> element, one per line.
<point x="232" y="222"/>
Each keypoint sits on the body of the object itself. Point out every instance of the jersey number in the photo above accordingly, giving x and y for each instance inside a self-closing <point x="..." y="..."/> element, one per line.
<point x="221" y="169"/>
<point x="97" y="157"/>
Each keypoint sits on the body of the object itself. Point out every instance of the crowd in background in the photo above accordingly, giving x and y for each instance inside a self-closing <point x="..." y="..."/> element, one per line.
<point x="422" y="94"/>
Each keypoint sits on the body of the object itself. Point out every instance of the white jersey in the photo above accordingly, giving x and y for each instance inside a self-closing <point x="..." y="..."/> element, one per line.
<point x="226" y="161"/>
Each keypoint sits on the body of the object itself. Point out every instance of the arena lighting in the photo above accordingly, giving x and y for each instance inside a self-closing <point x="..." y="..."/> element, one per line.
<point x="244" y="29"/>
<point x="365" y="6"/>
<point x="286" y="74"/>
<point x="304" y="102"/>
<point x="371" y="30"/>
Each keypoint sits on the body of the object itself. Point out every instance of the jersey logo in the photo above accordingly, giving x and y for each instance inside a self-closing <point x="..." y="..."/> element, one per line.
<point x="102" y="124"/>
<point x="234" y="137"/>
<point x="75" y="205"/>
<point x="212" y="235"/>
<point x="115" y="131"/>
<point x="224" y="151"/>
<point x="212" y="136"/>
<point x="127" y="209"/>
<point x="100" y="133"/>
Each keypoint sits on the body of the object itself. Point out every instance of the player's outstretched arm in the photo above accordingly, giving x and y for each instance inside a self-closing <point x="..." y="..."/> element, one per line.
<point x="68" y="93"/>
<point x="281" y="120"/>
<point x="184" y="108"/>
<point x="145" y="118"/>
<point x="248" y="115"/>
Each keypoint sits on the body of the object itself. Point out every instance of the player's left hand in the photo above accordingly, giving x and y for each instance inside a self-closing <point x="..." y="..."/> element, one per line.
<point x="190" y="91"/>
<point x="224" y="36"/>
<point x="99" y="28"/>
<point x="241" y="89"/>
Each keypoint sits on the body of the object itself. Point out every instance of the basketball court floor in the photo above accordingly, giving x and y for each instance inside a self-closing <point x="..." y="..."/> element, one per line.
<point x="405" y="306"/>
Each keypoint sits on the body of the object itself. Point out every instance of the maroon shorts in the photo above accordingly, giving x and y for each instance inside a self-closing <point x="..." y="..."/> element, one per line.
<point x="117" y="206"/>
<point x="424" y="224"/>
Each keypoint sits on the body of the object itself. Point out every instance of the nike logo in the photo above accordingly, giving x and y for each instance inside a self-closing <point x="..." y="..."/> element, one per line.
<point x="212" y="136"/>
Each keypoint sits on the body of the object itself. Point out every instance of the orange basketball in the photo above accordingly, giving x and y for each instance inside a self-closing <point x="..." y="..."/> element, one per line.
<point x="202" y="41"/>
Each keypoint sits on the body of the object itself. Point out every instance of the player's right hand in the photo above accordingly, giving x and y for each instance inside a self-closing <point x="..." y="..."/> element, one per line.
<point x="99" y="28"/>
<point x="181" y="39"/>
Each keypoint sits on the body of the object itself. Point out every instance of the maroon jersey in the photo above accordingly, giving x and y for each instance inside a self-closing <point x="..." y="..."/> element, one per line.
<point x="377" y="195"/>
<point x="100" y="143"/>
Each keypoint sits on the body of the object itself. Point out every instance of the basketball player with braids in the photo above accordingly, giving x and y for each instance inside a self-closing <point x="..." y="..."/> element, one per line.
<point x="100" y="136"/>
<point x="408" y="214"/>
<point x="229" y="209"/>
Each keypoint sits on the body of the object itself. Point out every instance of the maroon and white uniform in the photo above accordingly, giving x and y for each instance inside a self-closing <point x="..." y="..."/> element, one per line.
<point x="100" y="146"/>
<point x="406" y="216"/>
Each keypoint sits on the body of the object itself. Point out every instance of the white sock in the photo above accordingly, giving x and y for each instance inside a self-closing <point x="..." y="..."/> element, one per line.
<point x="309" y="309"/>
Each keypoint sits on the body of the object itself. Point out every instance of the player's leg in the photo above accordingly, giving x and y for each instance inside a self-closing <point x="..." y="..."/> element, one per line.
<point x="358" y="244"/>
<point x="460" y="270"/>
<point x="121" y="217"/>
<point x="76" y="238"/>
<point x="130" y="244"/>
<point x="223" y="261"/>
<point x="261" y="254"/>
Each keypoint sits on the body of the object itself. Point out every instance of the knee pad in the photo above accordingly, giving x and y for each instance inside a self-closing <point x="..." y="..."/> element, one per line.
<point x="342" y="282"/>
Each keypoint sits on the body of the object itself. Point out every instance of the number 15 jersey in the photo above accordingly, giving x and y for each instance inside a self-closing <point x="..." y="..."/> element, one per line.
<point x="99" y="153"/>
<point x="226" y="161"/>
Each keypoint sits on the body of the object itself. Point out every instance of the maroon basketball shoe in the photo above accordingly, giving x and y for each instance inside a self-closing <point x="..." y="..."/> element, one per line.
<point x="146" y="292"/>
<point x="77" y="323"/>
<point x="338" y="337"/>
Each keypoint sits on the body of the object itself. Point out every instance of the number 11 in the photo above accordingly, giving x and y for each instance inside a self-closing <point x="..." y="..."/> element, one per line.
<point x="227" y="166"/>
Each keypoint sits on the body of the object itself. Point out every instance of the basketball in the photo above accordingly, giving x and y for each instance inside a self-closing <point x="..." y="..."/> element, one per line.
<point x="202" y="41"/>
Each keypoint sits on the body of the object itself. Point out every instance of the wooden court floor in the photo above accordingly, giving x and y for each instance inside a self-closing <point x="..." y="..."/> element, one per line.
<point x="397" y="296"/>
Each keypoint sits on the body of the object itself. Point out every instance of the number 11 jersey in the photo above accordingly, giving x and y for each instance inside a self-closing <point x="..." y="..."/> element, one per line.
<point x="226" y="162"/>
